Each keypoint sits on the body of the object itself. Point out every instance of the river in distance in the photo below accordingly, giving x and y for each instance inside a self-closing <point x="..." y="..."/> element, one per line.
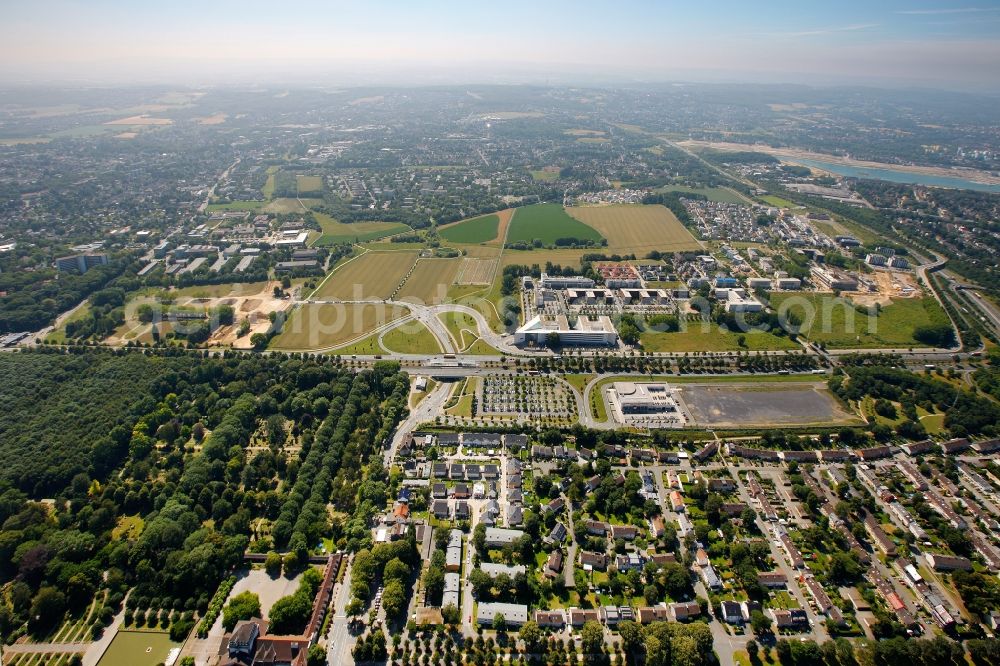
<point x="897" y="176"/>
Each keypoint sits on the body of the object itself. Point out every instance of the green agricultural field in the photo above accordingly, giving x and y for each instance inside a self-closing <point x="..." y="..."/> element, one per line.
<point x="835" y="323"/>
<point x="476" y="230"/>
<point x="430" y="281"/>
<point x="235" y="205"/>
<point x="547" y="223"/>
<point x="713" y="339"/>
<point x="309" y="184"/>
<point x="138" y="648"/>
<point x="335" y="232"/>
<point x="719" y="194"/>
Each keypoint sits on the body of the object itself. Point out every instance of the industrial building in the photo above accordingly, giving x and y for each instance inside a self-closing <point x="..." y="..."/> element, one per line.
<point x="645" y="403"/>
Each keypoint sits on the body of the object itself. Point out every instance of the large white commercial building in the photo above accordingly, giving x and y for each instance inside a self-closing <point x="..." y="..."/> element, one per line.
<point x="565" y="282"/>
<point x="737" y="300"/>
<point x="646" y="404"/>
<point x="587" y="332"/>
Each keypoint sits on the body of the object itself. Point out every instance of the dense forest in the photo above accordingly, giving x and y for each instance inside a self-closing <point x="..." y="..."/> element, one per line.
<point x="162" y="470"/>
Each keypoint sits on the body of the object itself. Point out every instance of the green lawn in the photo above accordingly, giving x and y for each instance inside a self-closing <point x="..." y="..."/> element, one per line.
<point x="368" y="346"/>
<point x="335" y="232"/>
<point x="777" y="201"/>
<point x="463" y="328"/>
<point x="544" y="176"/>
<point x="58" y="336"/>
<point x="138" y="648"/>
<point x="268" y="189"/>
<point x="460" y="402"/>
<point x="405" y="340"/>
<point x="720" y="194"/>
<point x="835" y="323"/>
<point x="477" y="230"/>
<point x="547" y="223"/>
<point x="934" y="423"/>
<point x="714" y="339"/>
<point x="578" y="381"/>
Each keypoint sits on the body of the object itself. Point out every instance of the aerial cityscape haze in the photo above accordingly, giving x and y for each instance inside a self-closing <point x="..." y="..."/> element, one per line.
<point x="440" y="333"/>
<point x="896" y="43"/>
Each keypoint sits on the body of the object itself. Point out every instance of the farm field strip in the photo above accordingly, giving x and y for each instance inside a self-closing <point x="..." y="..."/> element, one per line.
<point x="335" y="231"/>
<point x="429" y="280"/>
<point x="307" y="184"/>
<point x="637" y="228"/>
<point x="475" y="230"/>
<point x="374" y="275"/>
<point x="475" y="271"/>
<point x="327" y="325"/>
<point x="547" y="223"/>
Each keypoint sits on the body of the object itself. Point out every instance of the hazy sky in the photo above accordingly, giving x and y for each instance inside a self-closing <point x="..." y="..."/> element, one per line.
<point x="903" y="42"/>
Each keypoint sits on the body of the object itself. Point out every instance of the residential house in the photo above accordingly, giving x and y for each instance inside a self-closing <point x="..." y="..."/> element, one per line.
<point x="440" y="509"/>
<point x="557" y="534"/>
<point x="627" y="532"/>
<point x="596" y="561"/>
<point x="580" y="616"/>
<point x="513" y="614"/>
<point x="553" y="566"/>
<point x="597" y="527"/>
<point x="496" y="536"/>
<point x="731" y="612"/>
<point x="650" y="614"/>
<point x="683" y="611"/>
<point x="550" y="619"/>
<point x="772" y="579"/>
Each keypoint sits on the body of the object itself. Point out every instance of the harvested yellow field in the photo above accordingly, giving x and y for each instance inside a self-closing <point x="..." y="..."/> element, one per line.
<point x="140" y="120"/>
<point x="475" y="271"/>
<point x="563" y="257"/>
<point x="372" y="276"/>
<point x="328" y="325"/>
<point x="308" y="184"/>
<point x="216" y="119"/>
<point x="429" y="281"/>
<point x="637" y="228"/>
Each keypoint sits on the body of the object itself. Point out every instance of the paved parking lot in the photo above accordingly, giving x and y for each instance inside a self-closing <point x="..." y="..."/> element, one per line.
<point x="740" y="405"/>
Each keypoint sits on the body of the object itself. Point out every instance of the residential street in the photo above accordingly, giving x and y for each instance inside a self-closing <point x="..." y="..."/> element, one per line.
<point x="340" y="642"/>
